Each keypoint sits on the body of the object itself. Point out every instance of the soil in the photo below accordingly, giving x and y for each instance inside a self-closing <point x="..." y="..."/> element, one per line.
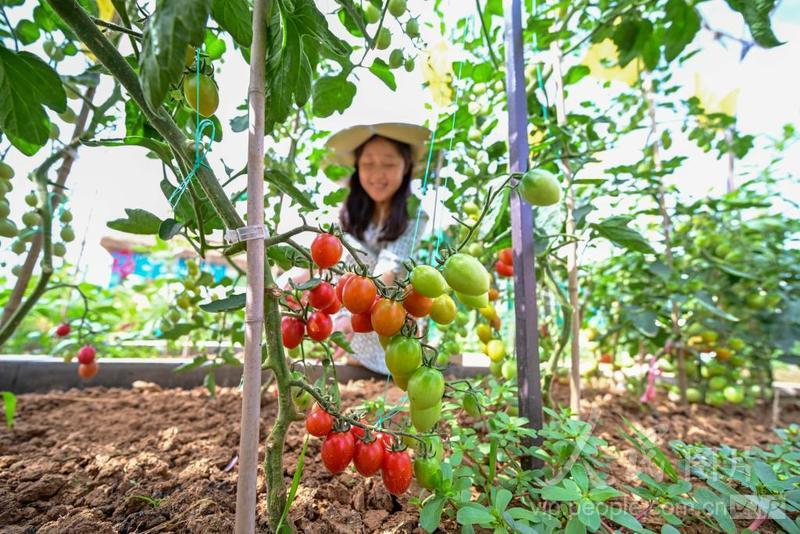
<point x="150" y="460"/>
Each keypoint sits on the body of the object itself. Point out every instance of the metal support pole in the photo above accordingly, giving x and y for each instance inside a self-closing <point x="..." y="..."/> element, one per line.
<point x="527" y="332"/>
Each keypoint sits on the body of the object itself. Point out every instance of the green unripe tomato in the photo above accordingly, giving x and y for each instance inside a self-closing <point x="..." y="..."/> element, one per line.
<point x="65" y="217"/>
<point x="371" y="13"/>
<point x="59" y="249"/>
<point x="31" y="199"/>
<point x="174" y="315"/>
<point x="540" y="188"/>
<point x="6" y="171"/>
<point x="466" y="275"/>
<point x="48" y="47"/>
<point x="67" y="234"/>
<point x="5" y="209"/>
<point x="54" y="131"/>
<point x="509" y="369"/>
<point x="209" y="96"/>
<point x="383" y="39"/>
<point x="425" y="419"/>
<point x="496" y="368"/>
<point x="67" y="116"/>
<point x="18" y="247"/>
<point x="412" y="28"/>
<point x="428" y="281"/>
<point x="396" y="58"/>
<point x="31" y="219"/>
<point x="15" y="270"/>
<point x="425" y="387"/>
<point x="693" y="395"/>
<point x="409" y="64"/>
<point x="397" y="7"/>
<point x="427" y="472"/>
<point x="188" y="60"/>
<point x="734" y="394"/>
<point x="471" y="404"/>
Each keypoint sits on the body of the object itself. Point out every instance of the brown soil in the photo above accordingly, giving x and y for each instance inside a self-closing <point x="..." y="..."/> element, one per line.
<point x="151" y="460"/>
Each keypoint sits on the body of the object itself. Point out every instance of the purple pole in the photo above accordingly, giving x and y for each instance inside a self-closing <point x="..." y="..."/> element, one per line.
<point x="527" y="333"/>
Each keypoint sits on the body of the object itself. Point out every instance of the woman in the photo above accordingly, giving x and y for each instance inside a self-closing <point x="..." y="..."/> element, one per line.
<point x="375" y="217"/>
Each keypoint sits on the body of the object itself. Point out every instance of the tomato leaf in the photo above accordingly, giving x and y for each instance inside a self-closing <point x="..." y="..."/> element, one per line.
<point x="616" y="230"/>
<point x="196" y="362"/>
<point x="756" y="16"/>
<point x="575" y="74"/>
<point x="236" y="18"/>
<point x="705" y="300"/>
<point x="159" y="148"/>
<point x="27" y="84"/>
<point x="382" y="70"/>
<point x="336" y="197"/>
<point x="175" y="25"/>
<point x="684" y="23"/>
<point x="332" y="94"/>
<point x="169" y="228"/>
<point x="210" y="382"/>
<point x="284" y="184"/>
<point x="9" y="407"/>
<point x="234" y="302"/>
<point x="431" y="514"/>
<point x="138" y="221"/>
<point x="339" y="339"/>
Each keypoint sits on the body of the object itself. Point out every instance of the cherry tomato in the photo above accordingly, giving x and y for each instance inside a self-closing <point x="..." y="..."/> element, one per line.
<point x="209" y="97"/>
<point x="506" y="256"/>
<point x="386" y="439"/>
<point x="466" y="274"/>
<point x="361" y="322"/>
<point x="403" y="355"/>
<point x="484" y="332"/>
<point x="494" y="294"/>
<point x="292" y="302"/>
<point x="322" y="296"/>
<point x="292" y="330"/>
<point x="341" y="283"/>
<point x="416" y="304"/>
<point x="471" y="404"/>
<point x="425" y="419"/>
<point x="396" y="471"/>
<point x="496" y="350"/>
<point x="425" y="387"/>
<point x="357" y="431"/>
<point x="319" y="423"/>
<point x="427" y="471"/>
<point x="359" y="294"/>
<point x="87" y="370"/>
<point x="63" y="330"/>
<point x="428" y="281"/>
<point x="540" y="188"/>
<point x="387" y="317"/>
<point x="86" y="354"/>
<point x="443" y="310"/>
<point x="333" y="308"/>
<point x="504" y="269"/>
<point x="337" y="451"/>
<point x="319" y="326"/>
<point x="368" y="457"/>
<point x="326" y="250"/>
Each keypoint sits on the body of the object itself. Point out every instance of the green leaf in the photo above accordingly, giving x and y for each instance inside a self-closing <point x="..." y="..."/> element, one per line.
<point x="575" y="526"/>
<point x="9" y="407"/>
<point x="715" y="506"/>
<point x="650" y="450"/>
<point x="503" y="498"/>
<point x="756" y="16"/>
<point x="575" y="74"/>
<point x="298" y="474"/>
<point x="27" y="84"/>
<point x="705" y="300"/>
<point x="566" y="491"/>
<point x="643" y="320"/>
<point x="27" y="31"/>
<point x="332" y="94"/>
<point x="284" y="184"/>
<point x="234" y="302"/>
<point x="616" y="230"/>
<point x="474" y="514"/>
<point x="669" y="529"/>
<point x="236" y="18"/>
<point x="431" y="514"/>
<point x="588" y="514"/>
<point x="138" y="221"/>
<point x="169" y="228"/>
<point x="210" y="382"/>
<point x="286" y="257"/>
<point x="578" y="473"/>
<point x="180" y="329"/>
<point x="175" y="25"/>
<point x="336" y="197"/>
<point x="339" y="339"/>
<point x="159" y="148"/>
<point x="299" y="35"/>
<point x="380" y="69"/>
<point x="684" y="23"/>
<point x="622" y="518"/>
<point x="196" y="362"/>
<point x="603" y="493"/>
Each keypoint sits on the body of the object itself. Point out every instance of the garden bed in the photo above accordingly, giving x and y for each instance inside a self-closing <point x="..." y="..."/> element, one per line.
<point x="158" y="460"/>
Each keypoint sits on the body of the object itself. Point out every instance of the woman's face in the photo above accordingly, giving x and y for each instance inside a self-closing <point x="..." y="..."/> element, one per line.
<point x="380" y="169"/>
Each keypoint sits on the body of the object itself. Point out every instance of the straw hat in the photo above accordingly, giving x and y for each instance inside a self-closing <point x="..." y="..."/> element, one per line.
<point x="344" y="142"/>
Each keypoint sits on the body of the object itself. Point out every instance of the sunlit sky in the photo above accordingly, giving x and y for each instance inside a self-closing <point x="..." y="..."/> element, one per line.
<point x="105" y="181"/>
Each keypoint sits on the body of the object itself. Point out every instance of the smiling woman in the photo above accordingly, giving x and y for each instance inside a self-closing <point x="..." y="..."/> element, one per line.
<point x="375" y="216"/>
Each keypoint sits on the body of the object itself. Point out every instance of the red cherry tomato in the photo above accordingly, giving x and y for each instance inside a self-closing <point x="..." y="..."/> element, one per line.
<point x="397" y="471"/>
<point x="368" y="457"/>
<point x="416" y="304"/>
<point x="358" y="294"/>
<point x="361" y="322"/>
<point x="341" y="283"/>
<point x="319" y="422"/>
<point x="292" y="330"/>
<point x="292" y="302"/>
<point x="63" y="330"/>
<point x="322" y="296"/>
<point x="87" y="370"/>
<point x="337" y="451"/>
<point x="506" y="256"/>
<point x="387" y="317"/>
<point x="358" y="432"/>
<point x="86" y="354"/>
<point x="386" y="439"/>
<point x="319" y="326"/>
<point x="326" y="250"/>
<point x="503" y="269"/>
<point x="333" y="308"/>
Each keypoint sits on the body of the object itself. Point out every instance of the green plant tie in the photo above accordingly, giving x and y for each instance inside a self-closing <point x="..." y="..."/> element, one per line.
<point x="200" y="127"/>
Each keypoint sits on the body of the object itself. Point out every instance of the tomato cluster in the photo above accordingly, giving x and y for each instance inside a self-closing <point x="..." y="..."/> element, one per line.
<point x="505" y="263"/>
<point x="368" y="452"/>
<point x="87" y="364"/>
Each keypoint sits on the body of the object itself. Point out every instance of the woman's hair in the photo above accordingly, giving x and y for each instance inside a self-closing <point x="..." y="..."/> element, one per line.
<point x="357" y="211"/>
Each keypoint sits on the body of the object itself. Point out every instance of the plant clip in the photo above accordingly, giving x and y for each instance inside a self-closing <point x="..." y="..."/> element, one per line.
<point x="246" y="233"/>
